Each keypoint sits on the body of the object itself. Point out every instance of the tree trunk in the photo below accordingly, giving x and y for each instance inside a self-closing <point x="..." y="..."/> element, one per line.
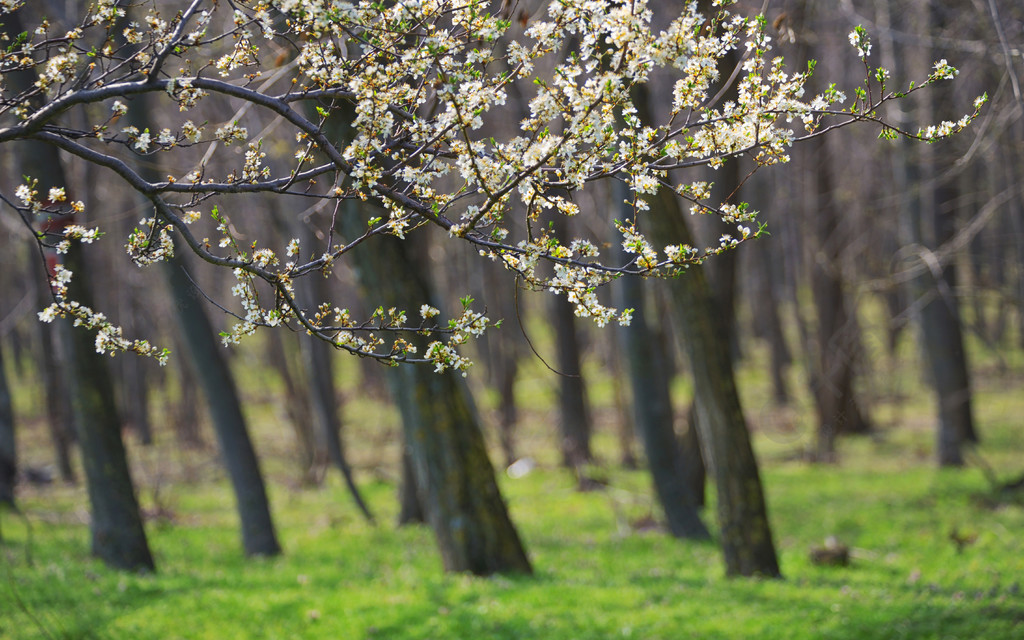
<point x="188" y="410"/>
<point x="57" y="395"/>
<point x="453" y="475"/>
<point x="574" y="424"/>
<point x="456" y="482"/>
<point x="410" y="507"/>
<point x="316" y="357"/>
<point x="218" y="385"/>
<point x="742" y="513"/>
<point x="573" y="413"/>
<point x="118" y="536"/>
<point x="8" y="453"/>
<point x="929" y="222"/>
<point x="134" y="398"/>
<point x="837" y="346"/>
<point x="296" y="406"/>
<point x="677" y="471"/>
<point x="503" y="366"/>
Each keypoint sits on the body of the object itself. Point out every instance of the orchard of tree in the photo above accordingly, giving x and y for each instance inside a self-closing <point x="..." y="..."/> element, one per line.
<point x="445" y="247"/>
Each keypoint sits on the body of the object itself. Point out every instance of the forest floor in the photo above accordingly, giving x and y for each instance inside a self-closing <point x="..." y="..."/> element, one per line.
<point x="934" y="553"/>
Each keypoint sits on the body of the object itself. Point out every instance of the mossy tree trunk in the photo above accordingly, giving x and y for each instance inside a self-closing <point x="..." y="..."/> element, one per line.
<point x="118" y="537"/>
<point x="454" y="478"/>
<point x="746" y="535"/>
<point x="676" y="469"/>
<point x="8" y="453"/>
<point x="455" y="481"/>
<point x="218" y="384"/>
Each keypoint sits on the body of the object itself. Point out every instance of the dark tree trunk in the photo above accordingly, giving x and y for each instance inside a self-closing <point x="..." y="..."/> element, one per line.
<point x="677" y="470"/>
<point x="209" y="363"/>
<point x="766" y="299"/>
<point x="118" y="536"/>
<point x="218" y="385"/>
<point x="503" y="366"/>
<point x="188" y="410"/>
<point x="941" y="332"/>
<point x="456" y="482"/>
<point x="57" y="395"/>
<point x="134" y="398"/>
<point x="508" y="413"/>
<point x="573" y="413"/>
<point x="742" y="513"/>
<point x="325" y="412"/>
<point x="574" y="422"/>
<point x="296" y="406"/>
<point x="454" y="477"/>
<point x="1015" y="212"/>
<point x="929" y="222"/>
<point x="316" y="357"/>
<point x="410" y="507"/>
<point x="8" y="452"/>
<point x="836" y="351"/>
<point x="457" y="487"/>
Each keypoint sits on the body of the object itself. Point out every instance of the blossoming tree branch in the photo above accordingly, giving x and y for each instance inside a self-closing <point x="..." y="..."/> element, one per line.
<point x="425" y="84"/>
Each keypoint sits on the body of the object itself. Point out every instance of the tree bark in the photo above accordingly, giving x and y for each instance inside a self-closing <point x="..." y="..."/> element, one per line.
<point x="188" y="411"/>
<point x="118" y="536"/>
<point x="8" y="451"/>
<point x="837" y="347"/>
<point x="316" y="357"/>
<point x="456" y="483"/>
<point x="747" y="543"/>
<point x="574" y="424"/>
<point x="929" y="221"/>
<point x="117" y="532"/>
<point x="676" y="470"/>
<point x="296" y="404"/>
<point x="56" y="388"/>
<point x="410" y="507"/>
<point x="218" y="385"/>
<point x="503" y="366"/>
<point x="454" y="477"/>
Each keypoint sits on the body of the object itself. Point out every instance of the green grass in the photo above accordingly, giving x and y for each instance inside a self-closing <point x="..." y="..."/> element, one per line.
<point x="596" y="576"/>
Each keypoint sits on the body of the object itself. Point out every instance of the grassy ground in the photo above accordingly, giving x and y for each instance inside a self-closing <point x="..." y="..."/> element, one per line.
<point x="598" y="576"/>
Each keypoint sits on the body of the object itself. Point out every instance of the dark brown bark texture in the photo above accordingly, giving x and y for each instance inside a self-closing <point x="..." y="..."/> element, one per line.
<point x="206" y="355"/>
<point x="117" y="533"/>
<point x="456" y="483"/>
<point x="677" y="470"/>
<point x="746" y="536"/>
<point x="8" y="453"/>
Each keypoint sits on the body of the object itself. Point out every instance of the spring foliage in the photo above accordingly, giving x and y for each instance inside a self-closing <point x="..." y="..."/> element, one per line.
<point x="431" y="91"/>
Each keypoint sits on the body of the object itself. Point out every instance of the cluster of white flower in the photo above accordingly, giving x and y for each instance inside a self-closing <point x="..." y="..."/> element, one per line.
<point x="231" y="132"/>
<point x="150" y="244"/>
<point x="109" y="337"/>
<point x="252" y="171"/>
<point x="426" y="81"/>
<point x="182" y="91"/>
